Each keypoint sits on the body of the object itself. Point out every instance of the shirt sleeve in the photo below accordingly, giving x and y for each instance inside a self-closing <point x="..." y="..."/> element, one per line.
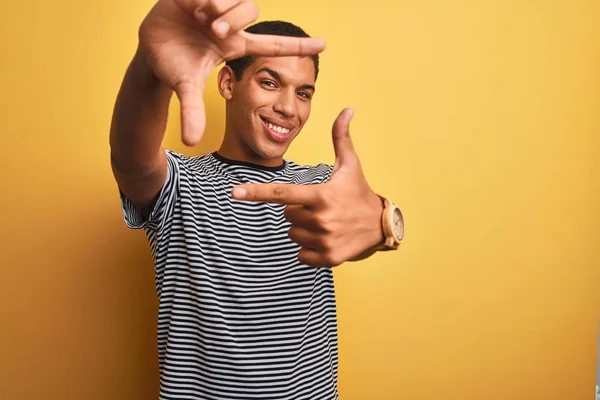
<point x="163" y="207"/>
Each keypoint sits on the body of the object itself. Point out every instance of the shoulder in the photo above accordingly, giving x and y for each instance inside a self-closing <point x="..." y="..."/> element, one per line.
<point x="203" y="164"/>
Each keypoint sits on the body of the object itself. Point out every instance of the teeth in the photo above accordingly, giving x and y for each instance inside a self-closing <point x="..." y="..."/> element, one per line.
<point x="278" y="129"/>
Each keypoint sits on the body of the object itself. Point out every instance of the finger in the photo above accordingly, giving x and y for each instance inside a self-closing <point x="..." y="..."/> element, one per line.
<point x="305" y="238"/>
<point x="206" y="10"/>
<point x="219" y="7"/>
<point x="315" y="258"/>
<point x="275" y="45"/>
<point x="235" y="19"/>
<point x="303" y="217"/>
<point x="193" y="117"/>
<point x="296" y="214"/>
<point x="342" y="142"/>
<point x="279" y="193"/>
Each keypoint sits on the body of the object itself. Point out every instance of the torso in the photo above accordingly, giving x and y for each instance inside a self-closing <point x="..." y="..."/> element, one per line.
<point x="239" y="317"/>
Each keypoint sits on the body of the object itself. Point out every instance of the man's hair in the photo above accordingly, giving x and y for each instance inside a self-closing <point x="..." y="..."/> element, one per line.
<point x="280" y="28"/>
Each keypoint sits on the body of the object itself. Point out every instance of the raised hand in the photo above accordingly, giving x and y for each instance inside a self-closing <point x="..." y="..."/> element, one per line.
<point x="183" y="41"/>
<point x="333" y="222"/>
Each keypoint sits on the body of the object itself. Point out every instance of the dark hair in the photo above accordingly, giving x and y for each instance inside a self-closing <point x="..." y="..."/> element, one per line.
<point x="281" y="28"/>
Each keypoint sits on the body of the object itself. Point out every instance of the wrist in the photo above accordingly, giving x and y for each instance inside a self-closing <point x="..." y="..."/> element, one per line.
<point x="378" y="234"/>
<point x="376" y="237"/>
<point x="392" y="224"/>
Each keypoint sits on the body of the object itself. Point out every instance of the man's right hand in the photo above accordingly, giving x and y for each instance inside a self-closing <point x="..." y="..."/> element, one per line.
<point x="183" y="41"/>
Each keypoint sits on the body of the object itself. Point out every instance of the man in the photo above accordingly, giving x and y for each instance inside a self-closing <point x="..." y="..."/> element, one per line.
<point x="240" y="237"/>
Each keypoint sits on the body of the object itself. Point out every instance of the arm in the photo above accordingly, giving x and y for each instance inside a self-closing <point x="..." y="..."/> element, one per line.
<point x="139" y="121"/>
<point x="179" y="46"/>
<point x="333" y="222"/>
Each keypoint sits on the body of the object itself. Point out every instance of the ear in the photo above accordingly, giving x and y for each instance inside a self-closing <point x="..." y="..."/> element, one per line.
<point x="225" y="80"/>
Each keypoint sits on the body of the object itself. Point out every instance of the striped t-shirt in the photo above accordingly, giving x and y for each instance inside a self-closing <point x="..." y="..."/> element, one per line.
<point x="239" y="316"/>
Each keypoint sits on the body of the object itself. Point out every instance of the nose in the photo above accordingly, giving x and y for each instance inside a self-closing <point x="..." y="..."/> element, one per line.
<point x="285" y="105"/>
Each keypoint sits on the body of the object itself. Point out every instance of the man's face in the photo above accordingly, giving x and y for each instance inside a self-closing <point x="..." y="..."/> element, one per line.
<point x="271" y="103"/>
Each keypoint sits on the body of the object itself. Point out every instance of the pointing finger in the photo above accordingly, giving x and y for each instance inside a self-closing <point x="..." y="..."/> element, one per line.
<point x="279" y="193"/>
<point x="274" y="45"/>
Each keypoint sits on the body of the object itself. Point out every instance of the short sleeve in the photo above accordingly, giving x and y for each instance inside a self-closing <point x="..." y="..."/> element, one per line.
<point x="167" y="198"/>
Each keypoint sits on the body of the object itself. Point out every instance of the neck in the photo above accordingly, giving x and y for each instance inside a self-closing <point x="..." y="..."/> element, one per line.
<point x="236" y="149"/>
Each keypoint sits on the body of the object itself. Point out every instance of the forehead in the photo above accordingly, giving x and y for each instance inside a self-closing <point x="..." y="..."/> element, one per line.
<point x="292" y="69"/>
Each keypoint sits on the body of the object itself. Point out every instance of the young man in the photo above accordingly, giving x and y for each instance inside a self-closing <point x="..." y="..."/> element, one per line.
<point x="240" y="236"/>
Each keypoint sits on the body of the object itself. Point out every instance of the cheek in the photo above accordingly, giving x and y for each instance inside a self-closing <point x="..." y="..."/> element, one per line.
<point x="244" y="110"/>
<point x="255" y="94"/>
<point x="245" y="95"/>
<point x="304" y="111"/>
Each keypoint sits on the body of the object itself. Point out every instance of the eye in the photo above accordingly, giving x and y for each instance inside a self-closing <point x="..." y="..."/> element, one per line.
<point x="304" y="95"/>
<point x="270" y="84"/>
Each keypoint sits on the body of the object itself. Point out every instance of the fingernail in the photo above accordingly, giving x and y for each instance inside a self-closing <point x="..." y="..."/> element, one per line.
<point x="222" y="27"/>
<point x="202" y="17"/>
<point x="350" y="113"/>
<point x="239" y="193"/>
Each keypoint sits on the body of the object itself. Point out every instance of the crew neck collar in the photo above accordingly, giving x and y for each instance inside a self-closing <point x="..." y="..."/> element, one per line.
<point x="228" y="161"/>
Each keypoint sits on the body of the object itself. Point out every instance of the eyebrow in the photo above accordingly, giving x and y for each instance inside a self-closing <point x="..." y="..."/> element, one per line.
<point x="277" y="76"/>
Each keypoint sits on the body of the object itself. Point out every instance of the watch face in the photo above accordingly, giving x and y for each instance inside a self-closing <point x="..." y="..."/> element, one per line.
<point x="398" y="224"/>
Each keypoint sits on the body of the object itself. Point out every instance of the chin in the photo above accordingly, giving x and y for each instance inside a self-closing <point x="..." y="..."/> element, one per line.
<point x="271" y="151"/>
<point x="267" y="150"/>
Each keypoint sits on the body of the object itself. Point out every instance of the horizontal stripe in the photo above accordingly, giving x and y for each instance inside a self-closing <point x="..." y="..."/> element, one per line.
<point x="239" y="316"/>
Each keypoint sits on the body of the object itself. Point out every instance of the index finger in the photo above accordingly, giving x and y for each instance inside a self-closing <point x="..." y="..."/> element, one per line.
<point x="279" y="193"/>
<point x="275" y="45"/>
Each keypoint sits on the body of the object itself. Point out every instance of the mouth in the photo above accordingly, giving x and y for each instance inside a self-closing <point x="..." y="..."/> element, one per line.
<point x="278" y="131"/>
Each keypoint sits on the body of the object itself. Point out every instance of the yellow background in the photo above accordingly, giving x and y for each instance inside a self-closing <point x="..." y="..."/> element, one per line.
<point x="480" y="118"/>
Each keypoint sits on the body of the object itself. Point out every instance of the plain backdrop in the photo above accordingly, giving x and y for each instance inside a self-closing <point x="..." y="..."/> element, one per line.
<point x="479" y="118"/>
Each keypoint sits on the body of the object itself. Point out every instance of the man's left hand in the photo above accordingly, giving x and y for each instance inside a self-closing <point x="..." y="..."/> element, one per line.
<point x="334" y="222"/>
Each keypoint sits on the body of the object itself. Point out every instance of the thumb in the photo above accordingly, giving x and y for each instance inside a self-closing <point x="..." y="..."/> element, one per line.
<point x="342" y="142"/>
<point x="193" y="115"/>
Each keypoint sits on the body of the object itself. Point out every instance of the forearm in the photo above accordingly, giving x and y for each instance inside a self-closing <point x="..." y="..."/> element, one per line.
<point x="139" y="120"/>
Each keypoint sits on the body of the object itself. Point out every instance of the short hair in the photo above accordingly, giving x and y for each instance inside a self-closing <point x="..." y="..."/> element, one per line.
<point x="280" y="28"/>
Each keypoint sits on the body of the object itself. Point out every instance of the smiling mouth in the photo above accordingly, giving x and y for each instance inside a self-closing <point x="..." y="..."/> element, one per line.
<point x="277" y="131"/>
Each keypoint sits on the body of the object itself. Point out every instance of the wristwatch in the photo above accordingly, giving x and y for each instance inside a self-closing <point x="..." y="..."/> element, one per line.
<point x="393" y="225"/>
